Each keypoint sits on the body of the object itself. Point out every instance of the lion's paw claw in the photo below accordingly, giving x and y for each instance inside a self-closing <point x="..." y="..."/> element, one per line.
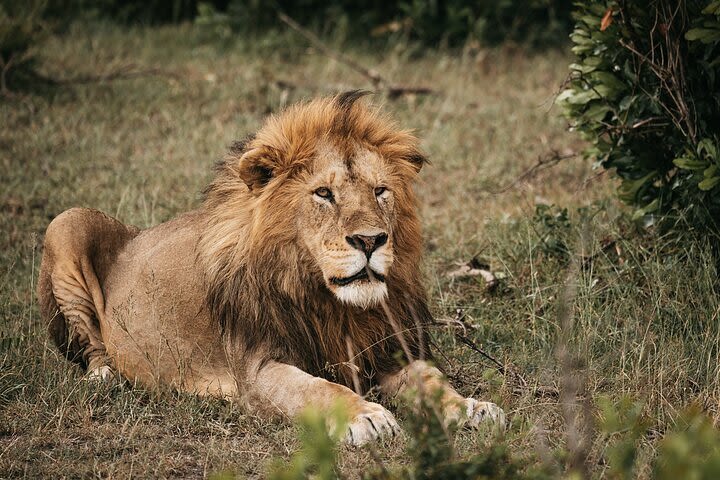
<point x="103" y="374"/>
<point x="480" y="412"/>
<point x="374" y="423"/>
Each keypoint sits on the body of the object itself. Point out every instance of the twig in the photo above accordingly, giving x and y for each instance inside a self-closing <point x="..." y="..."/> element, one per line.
<point x="125" y="72"/>
<point x="459" y="321"/>
<point x="500" y="367"/>
<point x="395" y="91"/>
<point x="668" y="68"/>
<point x="354" y="369"/>
<point x="372" y="75"/>
<point x="5" y="67"/>
<point x="541" y="164"/>
<point x="377" y="80"/>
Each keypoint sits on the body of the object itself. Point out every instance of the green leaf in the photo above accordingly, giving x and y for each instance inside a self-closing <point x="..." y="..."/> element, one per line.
<point x="712" y="8"/>
<point x="609" y="80"/>
<point x="706" y="145"/>
<point x="574" y="97"/>
<point x="705" y="35"/>
<point x="591" y="20"/>
<point x="597" y="112"/>
<point x="708" y="183"/>
<point x="627" y="101"/>
<point x="582" y="68"/>
<point x="629" y="188"/>
<point x="687" y="163"/>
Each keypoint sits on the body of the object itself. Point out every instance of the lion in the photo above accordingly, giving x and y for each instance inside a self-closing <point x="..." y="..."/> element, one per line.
<point x="296" y="283"/>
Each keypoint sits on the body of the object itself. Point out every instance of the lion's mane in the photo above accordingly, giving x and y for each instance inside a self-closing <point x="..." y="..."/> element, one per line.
<point x="265" y="292"/>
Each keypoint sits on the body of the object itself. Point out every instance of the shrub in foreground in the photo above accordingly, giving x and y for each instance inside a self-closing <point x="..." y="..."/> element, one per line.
<point x="690" y="450"/>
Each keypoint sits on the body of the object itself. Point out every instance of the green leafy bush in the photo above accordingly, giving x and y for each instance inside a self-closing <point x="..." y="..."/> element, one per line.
<point x="645" y="91"/>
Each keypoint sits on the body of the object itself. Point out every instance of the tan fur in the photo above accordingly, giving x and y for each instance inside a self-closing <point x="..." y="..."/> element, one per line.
<point x="254" y="295"/>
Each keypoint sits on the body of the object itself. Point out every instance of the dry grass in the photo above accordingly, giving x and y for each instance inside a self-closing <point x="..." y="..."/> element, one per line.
<point x="645" y="317"/>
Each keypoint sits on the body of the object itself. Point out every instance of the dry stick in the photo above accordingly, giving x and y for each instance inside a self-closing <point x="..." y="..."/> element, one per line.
<point x="669" y="71"/>
<point x="122" y="73"/>
<point x="374" y="77"/>
<point x="353" y="366"/>
<point x="541" y="164"/>
<point x="4" y="68"/>
<point x="459" y="320"/>
<point x="500" y="367"/>
<point x="378" y="81"/>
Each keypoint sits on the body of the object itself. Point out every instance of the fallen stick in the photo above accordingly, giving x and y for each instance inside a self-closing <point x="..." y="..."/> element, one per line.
<point x="541" y="164"/>
<point x="122" y="73"/>
<point x="377" y="80"/>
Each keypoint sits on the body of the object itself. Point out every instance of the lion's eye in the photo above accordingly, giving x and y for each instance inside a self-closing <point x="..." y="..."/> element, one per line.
<point x="379" y="191"/>
<point x="324" y="192"/>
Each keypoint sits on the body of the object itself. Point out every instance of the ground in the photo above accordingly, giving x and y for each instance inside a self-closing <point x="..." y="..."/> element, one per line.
<point x="638" y="322"/>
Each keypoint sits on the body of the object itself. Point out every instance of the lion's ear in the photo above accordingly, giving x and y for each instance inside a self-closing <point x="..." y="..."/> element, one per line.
<point x="417" y="160"/>
<point x="256" y="169"/>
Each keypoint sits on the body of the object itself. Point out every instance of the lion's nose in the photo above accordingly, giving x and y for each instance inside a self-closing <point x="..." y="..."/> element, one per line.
<point x="367" y="243"/>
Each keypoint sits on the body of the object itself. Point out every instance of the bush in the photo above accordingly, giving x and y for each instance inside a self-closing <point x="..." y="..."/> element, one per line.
<point x="645" y="91"/>
<point x="690" y="450"/>
<point x="428" y="22"/>
<point x="431" y="451"/>
<point x="21" y="28"/>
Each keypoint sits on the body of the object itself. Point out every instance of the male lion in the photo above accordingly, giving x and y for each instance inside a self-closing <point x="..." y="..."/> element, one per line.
<point x="297" y="277"/>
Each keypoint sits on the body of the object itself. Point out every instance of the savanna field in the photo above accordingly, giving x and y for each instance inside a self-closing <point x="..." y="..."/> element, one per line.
<point x="587" y="314"/>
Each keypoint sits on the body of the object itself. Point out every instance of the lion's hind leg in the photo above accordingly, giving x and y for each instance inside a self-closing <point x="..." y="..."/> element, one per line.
<point x="79" y="244"/>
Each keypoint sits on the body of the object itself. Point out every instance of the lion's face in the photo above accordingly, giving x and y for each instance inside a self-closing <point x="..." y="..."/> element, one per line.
<point x="346" y="222"/>
<point x="321" y="197"/>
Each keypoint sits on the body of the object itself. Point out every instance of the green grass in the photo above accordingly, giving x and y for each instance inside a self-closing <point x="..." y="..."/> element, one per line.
<point x="644" y="317"/>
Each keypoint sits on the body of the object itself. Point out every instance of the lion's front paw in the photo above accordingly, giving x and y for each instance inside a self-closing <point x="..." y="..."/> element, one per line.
<point x="479" y="412"/>
<point x="372" y="423"/>
<point x="102" y="374"/>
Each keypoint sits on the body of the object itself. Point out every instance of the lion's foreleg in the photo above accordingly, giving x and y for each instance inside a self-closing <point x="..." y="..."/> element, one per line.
<point x="419" y="377"/>
<point x="288" y="390"/>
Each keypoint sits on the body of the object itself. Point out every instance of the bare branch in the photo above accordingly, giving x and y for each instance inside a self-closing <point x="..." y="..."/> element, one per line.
<point x="541" y="164"/>
<point x="377" y="80"/>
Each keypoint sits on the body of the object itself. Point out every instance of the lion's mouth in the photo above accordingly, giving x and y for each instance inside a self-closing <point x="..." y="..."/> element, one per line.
<point x="364" y="274"/>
